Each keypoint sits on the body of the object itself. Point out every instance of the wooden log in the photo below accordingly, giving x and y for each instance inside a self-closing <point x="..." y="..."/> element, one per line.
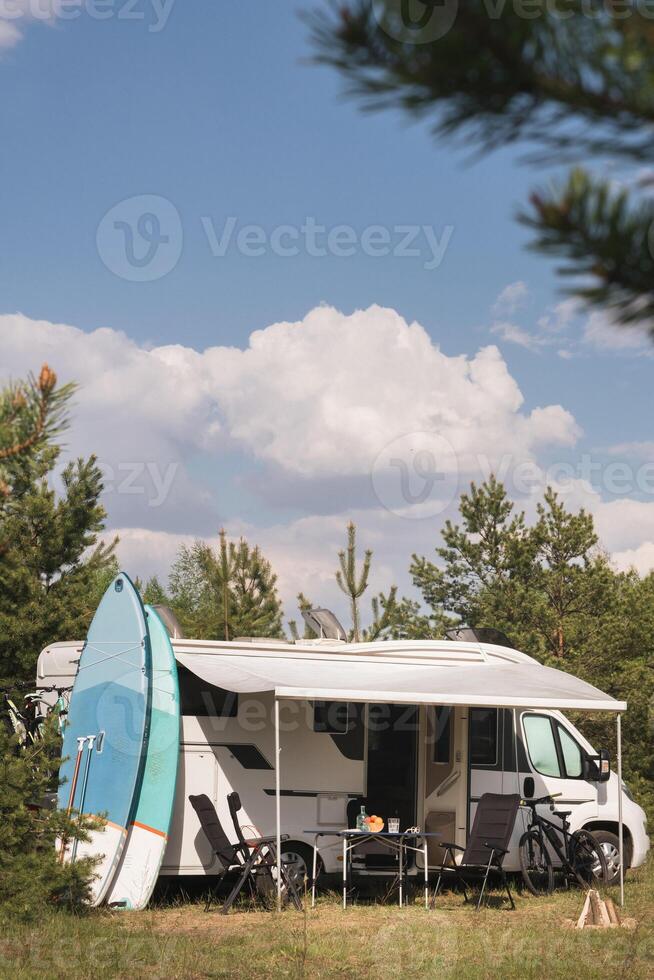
<point x="613" y="912"/>
<point x="581" y="921"/>
<point x="596" y="914"/>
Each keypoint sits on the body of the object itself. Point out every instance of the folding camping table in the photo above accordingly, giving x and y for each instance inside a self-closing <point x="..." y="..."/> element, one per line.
<point x="398" y="843"/>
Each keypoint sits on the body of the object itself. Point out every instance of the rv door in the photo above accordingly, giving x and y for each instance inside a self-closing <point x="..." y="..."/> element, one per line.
<point x="556" y="766"/>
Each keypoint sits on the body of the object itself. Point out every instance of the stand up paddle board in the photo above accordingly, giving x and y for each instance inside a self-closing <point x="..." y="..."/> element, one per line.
<point x="107" y="728"/>
<point x="139" y="865"/>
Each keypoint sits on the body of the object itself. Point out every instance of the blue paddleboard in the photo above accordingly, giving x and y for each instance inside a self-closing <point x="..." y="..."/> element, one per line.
<point x="139" y="865"/>
<point x="108" y="721"/>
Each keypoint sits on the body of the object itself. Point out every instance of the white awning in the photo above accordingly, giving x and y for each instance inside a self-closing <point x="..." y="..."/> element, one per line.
<point x="492" y="682"/>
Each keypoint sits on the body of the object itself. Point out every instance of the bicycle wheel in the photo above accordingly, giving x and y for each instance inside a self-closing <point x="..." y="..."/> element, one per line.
<point x="588" y="860"/>
<point x="536" y="864"/>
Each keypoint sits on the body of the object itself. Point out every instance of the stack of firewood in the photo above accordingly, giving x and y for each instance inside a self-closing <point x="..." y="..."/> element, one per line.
<point x="598" y="913"/>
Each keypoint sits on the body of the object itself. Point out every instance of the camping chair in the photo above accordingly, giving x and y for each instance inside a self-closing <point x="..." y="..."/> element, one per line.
<point x="232" y="857"/>
<point x="266" y="848"/>
<point x="487" y="846"/>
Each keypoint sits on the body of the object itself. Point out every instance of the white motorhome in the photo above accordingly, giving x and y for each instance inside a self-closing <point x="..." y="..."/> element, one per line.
<point x="414" y="729"/>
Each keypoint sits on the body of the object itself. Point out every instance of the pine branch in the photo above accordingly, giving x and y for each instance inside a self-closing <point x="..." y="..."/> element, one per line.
<point x="603" y="236"/>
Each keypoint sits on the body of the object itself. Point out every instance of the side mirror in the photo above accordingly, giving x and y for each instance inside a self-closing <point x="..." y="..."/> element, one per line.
<point x="604" y="766"/>
<point x="528" y="787"/>
<point x="597" y="768"/>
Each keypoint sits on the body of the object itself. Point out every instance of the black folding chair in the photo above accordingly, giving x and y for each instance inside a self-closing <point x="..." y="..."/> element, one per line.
<point x="487" y="846"/>
<point x="267" y="847"/>
<point x="249" y="861"/>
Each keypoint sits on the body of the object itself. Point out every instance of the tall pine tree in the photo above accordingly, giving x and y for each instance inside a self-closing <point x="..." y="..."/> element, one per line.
<point x="53" y="569"/>
<point x="218" y="595"/>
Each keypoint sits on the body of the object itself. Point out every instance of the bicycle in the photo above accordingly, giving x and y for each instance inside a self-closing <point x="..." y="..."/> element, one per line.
<point x="27" y="724"/>
<point x="581" y="855"/>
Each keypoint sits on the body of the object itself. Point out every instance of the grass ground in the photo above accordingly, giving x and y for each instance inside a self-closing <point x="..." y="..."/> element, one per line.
<point x="367" y="941"/>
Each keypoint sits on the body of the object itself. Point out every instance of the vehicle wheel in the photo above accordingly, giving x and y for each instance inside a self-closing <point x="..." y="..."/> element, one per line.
<point x="299" y="859"/>
<point x="611" y="847"/>
<point x="588" y="860"/>
<point x="536" y="864"/>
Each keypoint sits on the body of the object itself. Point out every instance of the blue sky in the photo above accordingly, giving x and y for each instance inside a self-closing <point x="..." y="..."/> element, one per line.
<point x="217" y="111"/>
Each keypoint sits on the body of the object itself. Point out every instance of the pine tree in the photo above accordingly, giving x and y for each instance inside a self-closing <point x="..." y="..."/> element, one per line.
<point x="486" y="563"/>
<point x="153" y="592"/>
<point x="554" y="593"/>
<point x="224" y="594"/>
<point x="53" y="569"/>
<point x="31" y="874"/>
<point x="350" y="581"/>
<point x="569" y="80"/>
<point x="304" y="605"/>
<point x="572" y="578"/>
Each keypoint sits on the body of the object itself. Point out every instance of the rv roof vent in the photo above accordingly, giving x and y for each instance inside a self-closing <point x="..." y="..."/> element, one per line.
<point x="479" y="634"/>
<point x="170" y="621"/>
<point x="324" y="624"/>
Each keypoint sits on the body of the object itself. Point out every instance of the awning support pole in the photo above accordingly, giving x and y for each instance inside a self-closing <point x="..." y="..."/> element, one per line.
<point x="278" y="809"/>
<point x="620" y="827"/>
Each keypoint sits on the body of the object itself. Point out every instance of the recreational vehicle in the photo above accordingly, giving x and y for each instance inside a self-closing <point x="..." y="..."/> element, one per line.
<point x="309" y="732"/>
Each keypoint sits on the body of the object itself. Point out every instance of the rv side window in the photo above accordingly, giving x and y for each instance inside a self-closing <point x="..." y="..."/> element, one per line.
<point x="333" y="717"/>
<point x="443" y="735"/>
<point x="541" y="744"/>
<point x="198" y="697"/>
<point x="571" y="753"/>
<point x="483" y="736"/>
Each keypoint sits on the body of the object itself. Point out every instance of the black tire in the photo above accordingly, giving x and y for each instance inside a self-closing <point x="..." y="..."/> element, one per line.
<point x="588" y="860"/>
<point x="298" y="858"/>
<point x="611" y="847"/>
<point x="536" y="864"/>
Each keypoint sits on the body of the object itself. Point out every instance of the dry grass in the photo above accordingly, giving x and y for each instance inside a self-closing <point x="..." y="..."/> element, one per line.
<point x="367" y="941"/>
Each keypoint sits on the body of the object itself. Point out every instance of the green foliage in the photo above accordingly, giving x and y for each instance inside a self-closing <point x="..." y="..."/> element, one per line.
<point x="604" y="238"/>
<point x="304" y="605"/>
<point x="553" y="592"/>
<point x="352" y="582"/>
<point x="224" y="594"/>
<point x="53" y="570"/>
<point x="32" y="413"/>
<point x="570" y="79"/>
<point x="31" y="874"/>
<point x="153" y="592"/>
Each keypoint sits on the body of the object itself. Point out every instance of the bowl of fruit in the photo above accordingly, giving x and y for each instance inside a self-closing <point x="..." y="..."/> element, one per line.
<point x="374" y="824"/>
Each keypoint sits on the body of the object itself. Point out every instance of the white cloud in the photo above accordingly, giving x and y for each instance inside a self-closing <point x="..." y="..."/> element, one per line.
<point x="640" y="558"/>
<point x="513" y="334"/>
<point x="322" y="396"/>
<point x="303" y="553"/>
<point x="512" y="298"/>
<point x="15" y="14"/>
<point x="558" y="317"/>
<point x="601" y="333"/>
<point x="640" y="450"/>
<point x="9" y="34"/>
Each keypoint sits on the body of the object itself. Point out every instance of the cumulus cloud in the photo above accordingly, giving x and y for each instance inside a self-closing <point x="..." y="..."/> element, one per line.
<point x="310" y="410"/>
<point x="511" y="299"/>
<point x="321" y="396"/>
<point x="640" y="558"/>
